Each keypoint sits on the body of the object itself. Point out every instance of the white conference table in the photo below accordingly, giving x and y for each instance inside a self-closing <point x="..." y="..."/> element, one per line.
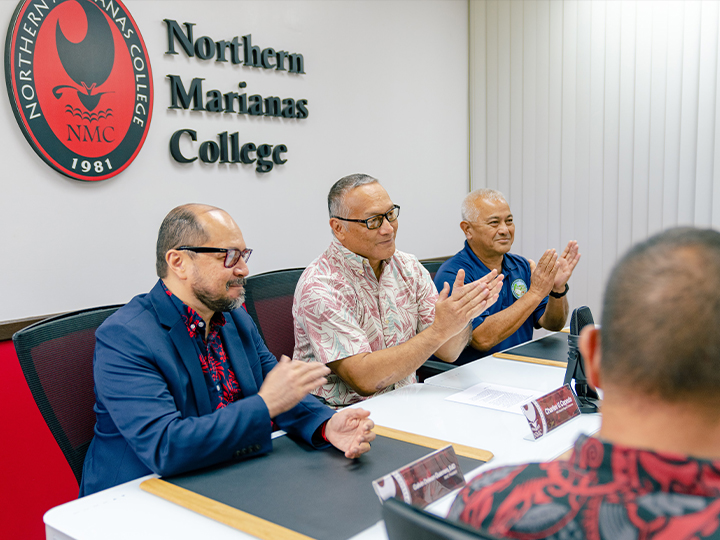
<point x="126" y="511"/>
<point x="423" y="409"/>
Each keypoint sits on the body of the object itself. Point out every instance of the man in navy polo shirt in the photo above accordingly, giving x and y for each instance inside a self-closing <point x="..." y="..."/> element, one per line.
<point x="532" y="295"/>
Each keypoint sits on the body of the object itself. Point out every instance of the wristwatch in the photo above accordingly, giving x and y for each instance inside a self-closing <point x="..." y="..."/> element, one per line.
<point x="560" y="294"/>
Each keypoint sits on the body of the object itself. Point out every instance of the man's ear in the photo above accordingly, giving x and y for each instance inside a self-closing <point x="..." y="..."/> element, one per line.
<point x="338" y="228"/>
<point x="465" y="226"/>
<point x="589" y="346"/>
<point x="177" y="264"/>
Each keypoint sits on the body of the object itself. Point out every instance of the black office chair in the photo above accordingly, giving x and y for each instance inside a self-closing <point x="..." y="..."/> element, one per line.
<point x="432" y="265"/>
<point x="406" y="522"/>
<point x="56" y="356"/>
<point x="432" y="367"/>
<point x="268" y="300"/>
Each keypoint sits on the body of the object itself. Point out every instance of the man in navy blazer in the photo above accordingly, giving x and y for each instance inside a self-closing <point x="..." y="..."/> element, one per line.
<point x="183" y="379"/>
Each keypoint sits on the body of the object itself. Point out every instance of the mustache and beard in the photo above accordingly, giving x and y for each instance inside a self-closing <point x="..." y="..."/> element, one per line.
<point x="220" y="302"/>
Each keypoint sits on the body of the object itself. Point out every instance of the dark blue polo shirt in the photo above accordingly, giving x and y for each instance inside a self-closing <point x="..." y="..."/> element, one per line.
<point x="516" y="270"/>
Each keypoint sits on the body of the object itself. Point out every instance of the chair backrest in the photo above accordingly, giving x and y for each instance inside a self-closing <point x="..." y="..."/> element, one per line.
<point x="406" y="522"/>
<point x="268" y="300"/>
<point x="432" y="367"/>
<point x="56" y="357"/>
<point x="432" y="266"/>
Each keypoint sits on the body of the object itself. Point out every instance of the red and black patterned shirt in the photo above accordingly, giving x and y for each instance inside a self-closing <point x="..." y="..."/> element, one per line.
<point x="603" y="492"/>
<point x="222" y="385"/>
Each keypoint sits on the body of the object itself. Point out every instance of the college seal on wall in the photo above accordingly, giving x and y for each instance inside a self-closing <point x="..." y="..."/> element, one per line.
<point x="80" y="84"/>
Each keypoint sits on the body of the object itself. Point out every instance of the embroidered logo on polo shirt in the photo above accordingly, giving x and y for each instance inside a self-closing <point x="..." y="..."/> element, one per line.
<point x="79" y="81"/>
<point x="518" y="288"/>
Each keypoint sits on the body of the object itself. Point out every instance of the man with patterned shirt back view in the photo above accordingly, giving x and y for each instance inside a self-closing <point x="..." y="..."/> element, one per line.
<point x="653" y="472"/>
<point x="371" y="313"/>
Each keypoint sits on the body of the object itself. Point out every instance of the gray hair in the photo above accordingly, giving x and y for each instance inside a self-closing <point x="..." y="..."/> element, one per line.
<point x="336" y="197"/>
<point x="469" y="211"/>
<point x="179" y="228"/>
<point x="661" y="315"/>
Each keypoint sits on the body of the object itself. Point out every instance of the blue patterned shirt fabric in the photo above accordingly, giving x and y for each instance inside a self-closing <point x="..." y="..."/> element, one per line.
<point x="222" y="385"/>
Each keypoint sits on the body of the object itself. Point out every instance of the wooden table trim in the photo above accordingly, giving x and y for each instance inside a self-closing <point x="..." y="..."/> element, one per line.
<point x="530" y="359"/>
<point x="267" y="530"/>
<point x="435" y="444"/>
<point x="237" y="519"/>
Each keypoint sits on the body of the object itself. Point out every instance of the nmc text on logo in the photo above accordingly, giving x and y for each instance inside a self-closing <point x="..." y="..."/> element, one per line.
<point x="80" y="84"/>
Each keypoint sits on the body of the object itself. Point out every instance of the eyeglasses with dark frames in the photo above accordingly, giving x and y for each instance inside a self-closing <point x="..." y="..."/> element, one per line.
<point x="375" y="222"/>
<point x="232" y="255"/>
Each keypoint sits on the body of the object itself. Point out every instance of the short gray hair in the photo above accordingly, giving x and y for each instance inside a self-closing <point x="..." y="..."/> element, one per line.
<point x="469" y="211"/>
<point x="336" y="197"/>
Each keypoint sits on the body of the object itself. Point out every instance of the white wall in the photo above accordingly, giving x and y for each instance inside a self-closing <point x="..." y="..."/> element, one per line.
<point x="387" y="89"/>
<point x="599" y="122"/>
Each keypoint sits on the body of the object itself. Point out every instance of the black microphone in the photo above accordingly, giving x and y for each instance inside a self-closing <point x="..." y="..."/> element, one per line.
<point x="581" y="317"/>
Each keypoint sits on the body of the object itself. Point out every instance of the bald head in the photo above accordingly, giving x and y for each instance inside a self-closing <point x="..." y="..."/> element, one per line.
<point x="661" y="318"/>
<point x="181" y="227"/>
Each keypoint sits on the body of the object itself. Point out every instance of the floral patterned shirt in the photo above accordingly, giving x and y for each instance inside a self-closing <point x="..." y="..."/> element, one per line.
<point x="222" y="385"/>
<point x="603" y="492"/>
<point x="341" y="309"/>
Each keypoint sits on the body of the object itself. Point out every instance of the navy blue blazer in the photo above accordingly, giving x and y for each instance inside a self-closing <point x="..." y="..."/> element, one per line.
<point x="152" y="405"/>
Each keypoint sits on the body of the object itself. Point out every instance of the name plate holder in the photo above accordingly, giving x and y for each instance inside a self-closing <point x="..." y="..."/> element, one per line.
<point x="550" y="411"/>
<point x="424" y="480"/>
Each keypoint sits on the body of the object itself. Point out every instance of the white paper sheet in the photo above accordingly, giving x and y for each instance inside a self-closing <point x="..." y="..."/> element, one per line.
<point x="495" y="396"/>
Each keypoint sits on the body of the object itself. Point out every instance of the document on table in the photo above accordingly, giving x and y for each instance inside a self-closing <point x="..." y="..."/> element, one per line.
<point x="495" y="396"/>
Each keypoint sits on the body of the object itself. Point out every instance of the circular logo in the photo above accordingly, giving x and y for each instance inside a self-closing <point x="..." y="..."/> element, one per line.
<point x="79" y="80"/>
<point x="518" y="288"/>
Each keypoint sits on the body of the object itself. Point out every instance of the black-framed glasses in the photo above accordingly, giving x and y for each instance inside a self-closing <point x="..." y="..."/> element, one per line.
<point x="375" y="222"/>
<point x="232" y="255"/>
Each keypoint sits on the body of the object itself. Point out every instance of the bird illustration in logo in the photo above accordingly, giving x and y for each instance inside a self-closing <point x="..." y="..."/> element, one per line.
<point x="89" y="62"/>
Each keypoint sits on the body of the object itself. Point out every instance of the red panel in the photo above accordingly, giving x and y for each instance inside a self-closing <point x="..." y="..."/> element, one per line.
<point x="34" y="476"/>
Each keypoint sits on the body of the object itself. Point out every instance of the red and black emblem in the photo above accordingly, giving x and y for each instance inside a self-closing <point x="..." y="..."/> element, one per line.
<point x="80" y="84"/>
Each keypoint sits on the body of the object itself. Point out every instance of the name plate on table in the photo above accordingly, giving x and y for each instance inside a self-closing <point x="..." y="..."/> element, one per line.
<point x="551" y="410"/>
<point x="424" y="480"/>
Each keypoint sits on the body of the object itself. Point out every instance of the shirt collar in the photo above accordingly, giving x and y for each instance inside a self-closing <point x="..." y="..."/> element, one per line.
<point x="191" y="317"/>
<point x="352" y="260"/>
<point x="676" y="473"/>
<point x="508" y="264"/>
